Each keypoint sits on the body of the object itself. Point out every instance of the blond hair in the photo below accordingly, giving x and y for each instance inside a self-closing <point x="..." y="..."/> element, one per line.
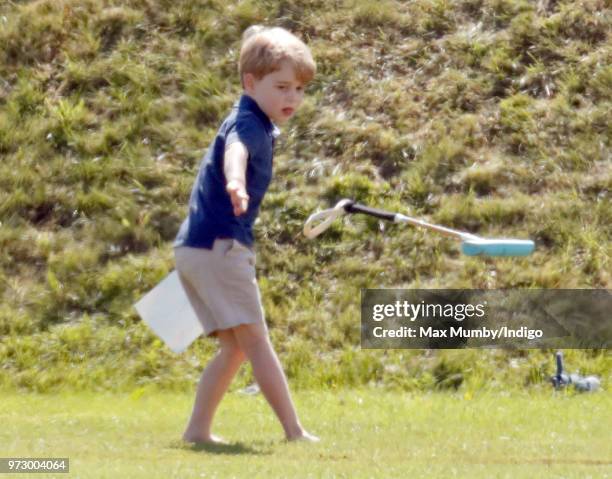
<point x="263" y="50"/>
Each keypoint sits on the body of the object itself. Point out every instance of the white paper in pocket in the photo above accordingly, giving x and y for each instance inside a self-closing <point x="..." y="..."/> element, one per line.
<point x="168" y="312"/>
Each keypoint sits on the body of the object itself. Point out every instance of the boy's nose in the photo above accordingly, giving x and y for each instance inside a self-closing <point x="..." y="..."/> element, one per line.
<point x="293" y="97"/>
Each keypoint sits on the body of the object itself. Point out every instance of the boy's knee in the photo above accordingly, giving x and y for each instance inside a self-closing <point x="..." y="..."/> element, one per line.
<point x="230" y="347"/>
<point x="250" y="337"/>
<point x="233" y="353"/>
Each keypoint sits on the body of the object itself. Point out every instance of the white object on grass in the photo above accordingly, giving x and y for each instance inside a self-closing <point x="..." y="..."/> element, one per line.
<point x="168" y="312"/>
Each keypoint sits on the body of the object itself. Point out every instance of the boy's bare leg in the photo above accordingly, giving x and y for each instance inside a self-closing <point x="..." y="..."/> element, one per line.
<point x="213" y="384"/>
<point x="254" y="342"/>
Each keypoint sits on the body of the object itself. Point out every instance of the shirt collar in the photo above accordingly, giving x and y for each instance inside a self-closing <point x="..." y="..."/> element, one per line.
<point x="248" y="103"/>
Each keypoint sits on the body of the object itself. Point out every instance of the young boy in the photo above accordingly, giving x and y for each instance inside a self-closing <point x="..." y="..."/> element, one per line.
<point x="214" y="251"/>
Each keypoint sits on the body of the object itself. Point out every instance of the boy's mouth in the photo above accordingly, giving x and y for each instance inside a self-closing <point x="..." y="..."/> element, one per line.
<point x="287" y="111"/>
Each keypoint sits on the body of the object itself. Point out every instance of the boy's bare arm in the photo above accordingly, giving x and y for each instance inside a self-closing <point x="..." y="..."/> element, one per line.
<point x="234" y="168"/>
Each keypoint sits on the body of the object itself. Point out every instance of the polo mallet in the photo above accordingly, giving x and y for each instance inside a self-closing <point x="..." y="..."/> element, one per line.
<point x="471" y="245"/>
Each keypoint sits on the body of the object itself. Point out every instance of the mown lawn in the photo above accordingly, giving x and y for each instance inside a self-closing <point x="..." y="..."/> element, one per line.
<point x="365" y="433"/>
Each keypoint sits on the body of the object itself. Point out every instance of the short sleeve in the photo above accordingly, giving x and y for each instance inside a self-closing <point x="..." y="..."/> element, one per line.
<point x="249" y="131"/>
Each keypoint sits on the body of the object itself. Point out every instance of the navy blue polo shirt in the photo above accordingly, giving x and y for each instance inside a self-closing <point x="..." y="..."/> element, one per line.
<point x="211" y="214"/>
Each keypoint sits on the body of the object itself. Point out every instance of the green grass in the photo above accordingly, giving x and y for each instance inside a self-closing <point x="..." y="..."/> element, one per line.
<point x="487" y="115"/>
<point x="365" y="433"/>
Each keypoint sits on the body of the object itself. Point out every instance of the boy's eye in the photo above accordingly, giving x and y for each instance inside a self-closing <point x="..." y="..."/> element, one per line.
<point x="299" y="89"/>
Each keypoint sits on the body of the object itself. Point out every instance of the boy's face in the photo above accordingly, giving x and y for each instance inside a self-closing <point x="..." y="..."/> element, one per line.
<point x="279" y="94"/>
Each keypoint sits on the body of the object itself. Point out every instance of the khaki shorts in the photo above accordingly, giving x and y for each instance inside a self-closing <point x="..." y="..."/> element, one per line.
<point x="221" y="284"/>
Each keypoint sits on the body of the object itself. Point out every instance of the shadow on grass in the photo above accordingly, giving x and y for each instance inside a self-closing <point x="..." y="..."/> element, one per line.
<point x="233" y="449"/>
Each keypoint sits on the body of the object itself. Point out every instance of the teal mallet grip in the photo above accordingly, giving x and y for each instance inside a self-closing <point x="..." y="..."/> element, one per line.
<point x="497" y="247"/>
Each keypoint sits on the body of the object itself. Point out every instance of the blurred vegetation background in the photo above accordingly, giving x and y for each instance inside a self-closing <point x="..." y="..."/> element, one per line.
<point x="492" y="116"/>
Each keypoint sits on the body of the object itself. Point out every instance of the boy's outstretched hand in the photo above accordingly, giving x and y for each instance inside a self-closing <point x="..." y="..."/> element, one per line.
<point x="239" y="196"/>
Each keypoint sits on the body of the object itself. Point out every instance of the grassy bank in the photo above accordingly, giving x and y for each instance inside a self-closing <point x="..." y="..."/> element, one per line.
<point x="486" y="115"/>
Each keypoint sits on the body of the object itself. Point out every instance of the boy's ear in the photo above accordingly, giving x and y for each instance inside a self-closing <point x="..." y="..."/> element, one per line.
<point x="249" y="81"/>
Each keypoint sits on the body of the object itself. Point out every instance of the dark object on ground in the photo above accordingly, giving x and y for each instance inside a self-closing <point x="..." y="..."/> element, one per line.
<point x="581" y="383"/>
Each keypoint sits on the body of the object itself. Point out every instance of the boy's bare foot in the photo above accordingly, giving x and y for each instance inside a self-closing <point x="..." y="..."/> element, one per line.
<point x="212" y="439"/>
<point x="304" y="436"/>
